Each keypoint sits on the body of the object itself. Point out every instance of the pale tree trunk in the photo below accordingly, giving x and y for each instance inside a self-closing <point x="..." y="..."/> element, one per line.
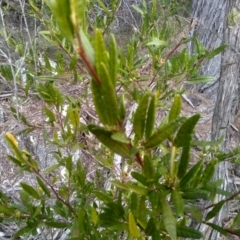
<point x="213" y="30"/>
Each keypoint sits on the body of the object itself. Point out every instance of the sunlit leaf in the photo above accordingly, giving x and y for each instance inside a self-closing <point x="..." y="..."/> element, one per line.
<point x="133" y="229"/>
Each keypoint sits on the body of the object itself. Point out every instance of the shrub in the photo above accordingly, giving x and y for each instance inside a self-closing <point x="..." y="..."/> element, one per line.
<point x="151" y="188"/>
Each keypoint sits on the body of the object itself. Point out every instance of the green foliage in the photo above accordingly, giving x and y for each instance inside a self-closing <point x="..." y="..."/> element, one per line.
<point x="145" y="199"/>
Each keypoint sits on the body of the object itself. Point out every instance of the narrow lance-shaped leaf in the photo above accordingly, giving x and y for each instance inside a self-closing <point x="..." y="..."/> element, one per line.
<point x="99" y="103"/>
<point x="55" y="224"/>
<point x="113" y="60"/>
<point x="184" y="161"/>
<point x="184" y="135"/>
<point x="208" y="172"/>
<point x="176" y="108"/>
<point x="122" y="109"/>
<point x="14" y="145"/>
<point x="178" y="202"/>
<point x="151" y="116"/>
<point x="216" y="209"/>
<point x="128" y="186"/>
<point x="133" y="229"/>
<point x="199" y="79"/>
<point x="218" y="228"/>
<point x="187" y="232"/>
<point x="61" y="12"/>
<point x="150" y="228"/>
<point x="6" y="210"/>
<point x="108" y="94"/>
<point x="148" y="169"/>
<point x="43" y="186"/>
<point x="30" y="190"/>
<point x="88" y="49"/>
<point x="142" y="212"/>
<point x="190" y="175"/>
<point x="216" y="51"/>
<point x="140" y="116"/>
<point x="163" y="133"/>
<point x="168" y="218"/>
<point x="99" y="50"/>
<point x="104" y="136"/>
<point x="139" y="177"/>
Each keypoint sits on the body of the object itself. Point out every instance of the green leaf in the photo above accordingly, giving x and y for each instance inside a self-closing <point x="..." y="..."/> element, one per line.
<point x="69" y="165"/>
<point x="43" y="186"/>
<point x="139" y="177"/>
<point x="216" y="51"/>
<point x="49" y="114"/>
<point x="61" y="12"/>
<point x="163" y="133"/>
<point x="216" y="209"/>
<point x="176" y="108"/>
<point x="108" y="94"/>
<point x="6" y="210"/>
<point x="140" y="116"/>
<point x="168" y="218"/>
<point x="94" y="216"/>
<point x="199" y="79"/>
<point x="15" y="161"/>
<point x="208" y="172"/>
<point x="21" y="232"/>
<point x="156" y="42"/>
<point x="196" y="213"/>
<point x="100" y="50"/>
<point x="151" y="116"/>
<point x="190" y="176"/>
<point x="104" y="136"/>
<point x="14" y="146"/>
<point x="122" y="109"/>
<point x="88" y="49"/>
<point x="133" y="229"/>
<point x="102" y="5"/>
<point x="150" y="228"/>
<point x="105" y="197"/>
<point x="99" y="102"/>
<point x="142" y="212"/>
<point x="55" y="224"/>
<point x="194" y="194"/>
<point x="120" y="137"/>
<point x="184" y="161"/>
<point x="128" y="186"/>
<point x="218" y="228"/>
<point x="30" y="190"/>
<point x="148" y="169"/>
<point x="113" y="59"/>
<point x="184" y="135"/>
<point x="187" y="232"/>
<point x="178" y="202"/>
<point x="52" y="168"/>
